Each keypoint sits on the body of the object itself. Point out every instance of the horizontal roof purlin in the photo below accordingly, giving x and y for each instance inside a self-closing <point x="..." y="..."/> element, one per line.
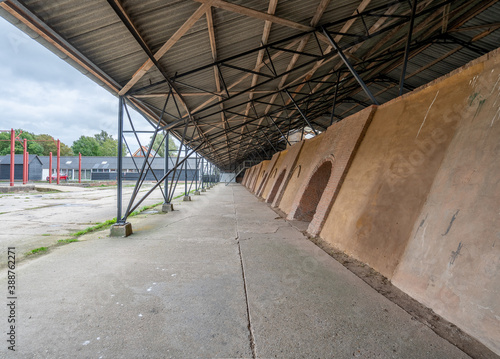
<point x="231" y="73"/>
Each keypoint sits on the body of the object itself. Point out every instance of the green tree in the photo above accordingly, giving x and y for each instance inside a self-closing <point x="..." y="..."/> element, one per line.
<point x="4" y="143"/>
<point x="34" y="148"/>
<point x="159" y="145"/>
<point x="103" y="137"/>
<point x="86" y="145"/>
<point x="102" y="144"/>
<point x="50" y="145"/>
<point x="108" y="147"/>
<point x="66" y="150"/>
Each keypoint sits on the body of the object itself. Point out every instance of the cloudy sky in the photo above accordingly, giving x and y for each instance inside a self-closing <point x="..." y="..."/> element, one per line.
<point x="41" y="93"/>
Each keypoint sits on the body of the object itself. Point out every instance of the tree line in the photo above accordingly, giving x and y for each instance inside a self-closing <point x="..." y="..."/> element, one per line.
<point x="101" y="144"/>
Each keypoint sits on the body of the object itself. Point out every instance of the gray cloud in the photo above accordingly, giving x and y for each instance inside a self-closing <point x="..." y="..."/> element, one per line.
<point x="41" y="93"/>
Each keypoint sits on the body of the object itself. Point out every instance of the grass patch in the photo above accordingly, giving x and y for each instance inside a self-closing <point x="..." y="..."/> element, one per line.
<point x="184" y="194"/>
<point x="36" y="251"/>
<point x="66" y="241"/>
<point x="145" y="208"/>
<point x="46" y="235"/>
<point x="96" y="227"/>
<point x="47" y="190"/>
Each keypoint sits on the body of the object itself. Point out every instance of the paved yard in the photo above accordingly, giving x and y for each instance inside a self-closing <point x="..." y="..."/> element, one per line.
<point x="34" y="219"/>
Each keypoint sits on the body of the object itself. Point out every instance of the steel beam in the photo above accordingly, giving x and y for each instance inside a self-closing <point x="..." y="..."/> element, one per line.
<point x="407" y="48"/>
<point x="349" y="66"/>
<point x="301" y="113"/>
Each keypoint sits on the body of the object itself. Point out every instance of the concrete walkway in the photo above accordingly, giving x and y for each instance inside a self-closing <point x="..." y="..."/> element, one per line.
<point x="221" y="277"/>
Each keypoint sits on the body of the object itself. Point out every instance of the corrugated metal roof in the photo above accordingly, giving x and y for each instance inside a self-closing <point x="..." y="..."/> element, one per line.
<point x="93" y="36"/>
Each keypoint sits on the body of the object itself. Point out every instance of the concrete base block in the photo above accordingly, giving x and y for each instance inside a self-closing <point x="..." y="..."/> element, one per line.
<point x="186" y="198"/>
<point x="196" y="193"/>
<point x="203" y="189"/>
<point x="167" y="207"/>
<point x="121" y="230"/>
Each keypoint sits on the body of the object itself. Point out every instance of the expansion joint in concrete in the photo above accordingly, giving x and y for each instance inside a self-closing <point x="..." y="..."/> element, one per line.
<point x="250" y="330"/>
<point x="251" y="336"/>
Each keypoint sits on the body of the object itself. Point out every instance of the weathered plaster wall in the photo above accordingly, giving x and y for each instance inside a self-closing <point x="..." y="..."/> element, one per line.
<point x="391" y="175"/>
<point x="305" y="162"/>
<point x="287" y="164"/>
<point x="247" y="174"/>
<point x="260" y="176"/>
<point x="338" y="145"/>
<point x="255" y="176"/>
<point x="452" y="262"/>
<point x="420" y="199"/>
<point x="273" y="175"/>
<point x="268" y="174"/>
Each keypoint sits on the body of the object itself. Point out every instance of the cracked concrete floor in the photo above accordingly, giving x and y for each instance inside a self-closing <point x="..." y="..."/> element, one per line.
<point x="221" y="277"/>
<point x="34" y="219"/>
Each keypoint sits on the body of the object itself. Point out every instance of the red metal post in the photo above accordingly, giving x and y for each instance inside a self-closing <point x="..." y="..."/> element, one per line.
<point x="58" y="160"/>
<point x="12" y="155"/>
<point x="79" y="168"/>
<point x="50" y="167"/>
<point x="25" y="164"/>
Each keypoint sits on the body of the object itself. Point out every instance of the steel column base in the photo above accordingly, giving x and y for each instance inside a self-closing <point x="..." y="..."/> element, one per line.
<point x="196" y="193"/>
<point x="203" y="189"/>
<point x="186" y="198"/>
<point x="167" y="207"/>
<point x="121" y="230"/>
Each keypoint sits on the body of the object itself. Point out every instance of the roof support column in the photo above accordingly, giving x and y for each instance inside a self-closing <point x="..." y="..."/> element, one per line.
<point x="167" y="205"/>
<point x="121" y="228"/>
<point x="119" y="161"/>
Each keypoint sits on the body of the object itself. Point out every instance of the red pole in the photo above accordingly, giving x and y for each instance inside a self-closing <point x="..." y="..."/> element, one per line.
<point x="79" y="168"/>
<point x="50" y="167"/>
<point x="27" y="166"/>
<point x="58" y="160"/>
<point x="12" y="155"/>
<point x="25" y="143"/>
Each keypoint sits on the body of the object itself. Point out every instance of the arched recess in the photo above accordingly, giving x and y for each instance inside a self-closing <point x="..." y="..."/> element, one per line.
<point x="276" y="186"/>
<point x="314" y="191"/>
<point x="255" y="177"/>
<point x="262" y="185"/>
